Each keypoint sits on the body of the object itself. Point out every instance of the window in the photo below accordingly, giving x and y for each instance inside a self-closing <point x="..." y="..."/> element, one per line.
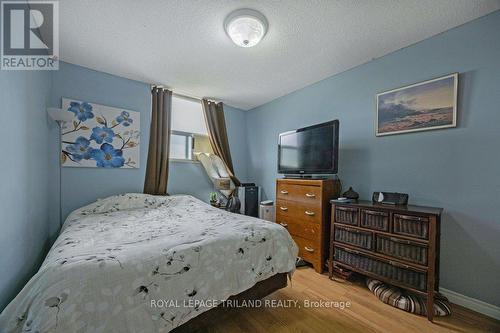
<point x="189" y="132"/>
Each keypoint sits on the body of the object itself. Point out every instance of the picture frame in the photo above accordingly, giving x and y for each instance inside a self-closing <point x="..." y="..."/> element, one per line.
<point x="423" y="106"/>
<point x="100" y="136"/>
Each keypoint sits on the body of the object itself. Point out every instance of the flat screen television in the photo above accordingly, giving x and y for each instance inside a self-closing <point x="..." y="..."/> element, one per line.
<point x="309" y="150"/>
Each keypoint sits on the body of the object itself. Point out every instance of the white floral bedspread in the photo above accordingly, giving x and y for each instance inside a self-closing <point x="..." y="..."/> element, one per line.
<point x="116" y="258"/>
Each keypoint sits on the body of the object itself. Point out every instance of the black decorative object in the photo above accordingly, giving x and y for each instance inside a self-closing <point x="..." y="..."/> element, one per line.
<point x="351" y="194"/>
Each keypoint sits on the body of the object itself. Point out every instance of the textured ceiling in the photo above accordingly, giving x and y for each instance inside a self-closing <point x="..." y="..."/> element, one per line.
<point x="182" y="44"/>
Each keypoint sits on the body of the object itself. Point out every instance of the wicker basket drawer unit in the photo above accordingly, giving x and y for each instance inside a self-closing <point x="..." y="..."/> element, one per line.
<point x="402" y="249"/>
<point x="402" y="275"/>
<point x="396" y="244"/>
<point x="363" y="239"/>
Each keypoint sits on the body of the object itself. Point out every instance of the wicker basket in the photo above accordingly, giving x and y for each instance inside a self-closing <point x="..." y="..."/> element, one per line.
<point x="403" y="249"/>
<point x="404" y="276"/>
<point x="355" y="237"/>
<point x="346" y="215"/>
<point x="375" y="220"/>
<point x="413" y="226"/>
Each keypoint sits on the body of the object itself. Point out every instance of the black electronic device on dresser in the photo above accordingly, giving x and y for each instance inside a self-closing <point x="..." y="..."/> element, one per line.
<point x="396" y="244"/>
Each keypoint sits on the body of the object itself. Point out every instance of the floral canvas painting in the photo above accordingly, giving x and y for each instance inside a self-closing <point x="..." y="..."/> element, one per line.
<point x="100" y="136"/>
<point x="423" y="106"/>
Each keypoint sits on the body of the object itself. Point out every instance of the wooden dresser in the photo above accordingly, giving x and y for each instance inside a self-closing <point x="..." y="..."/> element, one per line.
<point x="395" y="244"/>
<point x="302" y="206"/>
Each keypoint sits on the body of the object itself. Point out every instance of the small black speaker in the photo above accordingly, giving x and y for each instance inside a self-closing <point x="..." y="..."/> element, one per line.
<point x="390" y="198"/>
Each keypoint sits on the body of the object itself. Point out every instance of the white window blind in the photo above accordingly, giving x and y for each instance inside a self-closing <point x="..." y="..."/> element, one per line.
<point x="189" y="133"/>
<point x="187" y="116"/>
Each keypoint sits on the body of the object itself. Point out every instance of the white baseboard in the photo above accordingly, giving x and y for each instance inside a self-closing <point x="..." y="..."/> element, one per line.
<point x="473" y="304"/>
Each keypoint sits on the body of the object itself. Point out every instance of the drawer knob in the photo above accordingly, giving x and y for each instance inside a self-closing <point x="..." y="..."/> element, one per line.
<point x="284" y="209"/>
<point x="310" y="195"/>
<point x="308" y="249"/>
<point x="284" y="224"/>
<point x="284" y="192"/>
<point x="307" y="212"/>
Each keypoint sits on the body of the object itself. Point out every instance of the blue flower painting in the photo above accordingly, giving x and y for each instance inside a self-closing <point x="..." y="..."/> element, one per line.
<point x="100" y="136"/>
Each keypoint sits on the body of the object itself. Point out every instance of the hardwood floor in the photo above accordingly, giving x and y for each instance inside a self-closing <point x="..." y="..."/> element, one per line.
<point x="366" y="313"/>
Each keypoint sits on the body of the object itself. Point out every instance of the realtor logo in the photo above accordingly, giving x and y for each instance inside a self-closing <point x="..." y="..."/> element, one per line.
<point x="30" y="35"/>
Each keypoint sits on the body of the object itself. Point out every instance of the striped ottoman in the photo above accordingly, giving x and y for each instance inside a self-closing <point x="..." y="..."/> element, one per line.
<point x="403" y="300"/>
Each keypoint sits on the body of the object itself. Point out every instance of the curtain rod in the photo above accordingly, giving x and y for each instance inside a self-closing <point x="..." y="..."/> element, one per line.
<point x="184" y="96"/>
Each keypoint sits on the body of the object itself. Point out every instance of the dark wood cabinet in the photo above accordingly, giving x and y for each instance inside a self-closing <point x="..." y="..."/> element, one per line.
<point x="395" y="244"/>
<point x="303" y="208"/>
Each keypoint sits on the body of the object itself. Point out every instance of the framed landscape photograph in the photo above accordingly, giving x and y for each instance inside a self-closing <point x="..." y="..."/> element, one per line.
<point x="418" y="107"/>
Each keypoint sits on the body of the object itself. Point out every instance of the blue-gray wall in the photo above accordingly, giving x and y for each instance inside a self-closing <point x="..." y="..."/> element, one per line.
<point x="81" y="186"/>
<point x="457" y="169"/>
<point x="25" y="191"/>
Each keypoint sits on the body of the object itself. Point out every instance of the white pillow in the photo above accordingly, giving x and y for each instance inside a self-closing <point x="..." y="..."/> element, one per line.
<point x="126" y="201"/>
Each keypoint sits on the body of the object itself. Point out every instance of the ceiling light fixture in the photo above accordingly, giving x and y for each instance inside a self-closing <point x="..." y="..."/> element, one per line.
<point x="246" y="27"/>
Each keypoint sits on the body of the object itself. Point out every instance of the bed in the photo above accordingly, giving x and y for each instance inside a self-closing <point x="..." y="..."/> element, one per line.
<point x="141" y="263"/>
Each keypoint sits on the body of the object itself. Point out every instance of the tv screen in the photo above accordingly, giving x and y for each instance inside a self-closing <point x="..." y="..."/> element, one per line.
<point x="309" y="150"/>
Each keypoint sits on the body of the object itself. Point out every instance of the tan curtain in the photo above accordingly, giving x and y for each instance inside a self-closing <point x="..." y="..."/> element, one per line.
<point x="159" y="142"/>
<point x="217" y="134"/>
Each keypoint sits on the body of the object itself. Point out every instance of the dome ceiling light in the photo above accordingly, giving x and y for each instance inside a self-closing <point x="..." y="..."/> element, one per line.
<point x="246" y="27"/>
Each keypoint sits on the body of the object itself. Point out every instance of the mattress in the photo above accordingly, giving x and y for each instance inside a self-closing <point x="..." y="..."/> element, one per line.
<point x="141" y="263"/>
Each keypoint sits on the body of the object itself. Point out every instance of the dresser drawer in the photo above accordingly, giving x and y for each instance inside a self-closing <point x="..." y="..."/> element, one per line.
<point x="391" y="271"/>
<point x="305" y="194"/>
<point x="374" y="219"/>
<point x="402" y="249"/>
<point x="408" y="225"/>
<point x="309" y="250"/>
<point x="346" y="215"/>
<point x="301" y="228"/>
<point x="354" y="237"/>
<point x="287" y="210"/>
